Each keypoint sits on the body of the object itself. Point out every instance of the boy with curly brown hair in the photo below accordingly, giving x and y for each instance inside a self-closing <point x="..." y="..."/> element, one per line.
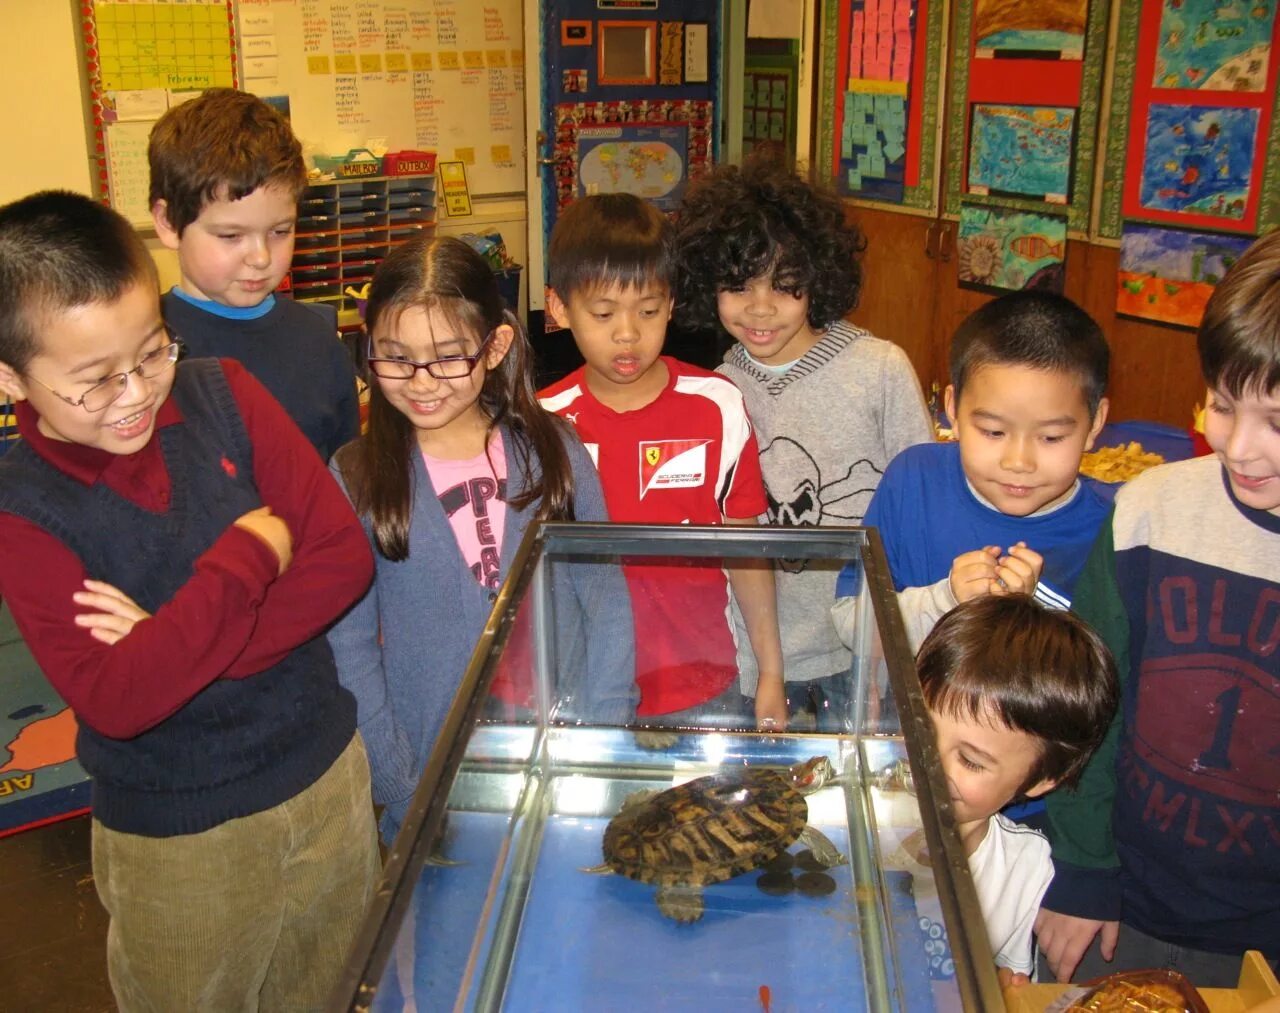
<point x="773" y="261"/>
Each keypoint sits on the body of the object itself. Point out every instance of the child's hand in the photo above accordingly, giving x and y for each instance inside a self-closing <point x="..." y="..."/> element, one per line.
<point x="1064" y="939"/>
<point x="771" y="705"/>
<point x="272" y="530"/>
<point x="1009" y="978"/>
<point x="1018" y="572"/>
<point x="114" y="613"/>
<point x="974" y="573"/>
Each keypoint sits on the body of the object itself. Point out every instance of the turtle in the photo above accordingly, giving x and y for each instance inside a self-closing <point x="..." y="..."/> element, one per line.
<point x="714" y="828"/>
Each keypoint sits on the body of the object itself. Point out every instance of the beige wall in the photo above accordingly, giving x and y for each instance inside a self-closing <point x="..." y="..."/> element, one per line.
<point x="45" y="144"/>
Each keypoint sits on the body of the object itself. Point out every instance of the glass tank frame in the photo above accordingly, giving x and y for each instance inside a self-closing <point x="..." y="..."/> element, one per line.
<point x="500" y="941"/>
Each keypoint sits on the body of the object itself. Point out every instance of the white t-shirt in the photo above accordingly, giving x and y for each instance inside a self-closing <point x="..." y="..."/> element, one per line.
<point x="1011" y="871"/>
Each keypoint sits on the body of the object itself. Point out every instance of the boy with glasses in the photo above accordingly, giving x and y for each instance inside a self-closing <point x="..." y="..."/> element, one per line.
<point x="172" y="553"/>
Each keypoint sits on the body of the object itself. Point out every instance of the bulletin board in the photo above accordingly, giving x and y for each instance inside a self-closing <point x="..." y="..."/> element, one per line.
<point x="443" y="75"/>
<point x="1023" y="108"/>
<point x="1194" y="103"/>
<point x="881" y="86"/>
<point x="140" y="58"/>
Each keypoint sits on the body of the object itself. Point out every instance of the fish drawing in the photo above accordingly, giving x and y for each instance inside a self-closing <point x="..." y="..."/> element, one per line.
<point x="1036" y="247"/>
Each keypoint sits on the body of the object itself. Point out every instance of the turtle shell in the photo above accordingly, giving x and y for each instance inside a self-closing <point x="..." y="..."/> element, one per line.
<point x="707" y="830"/>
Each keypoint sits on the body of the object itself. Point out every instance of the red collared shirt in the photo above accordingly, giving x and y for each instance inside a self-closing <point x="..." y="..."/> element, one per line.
<point x="233" y="618"/>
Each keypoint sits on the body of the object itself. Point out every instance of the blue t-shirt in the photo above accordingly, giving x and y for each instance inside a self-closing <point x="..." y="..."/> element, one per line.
<point x="927" y="516"/>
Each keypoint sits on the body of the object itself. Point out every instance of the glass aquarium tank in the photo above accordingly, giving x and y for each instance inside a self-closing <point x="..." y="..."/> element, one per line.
<point x="563" y="852"/>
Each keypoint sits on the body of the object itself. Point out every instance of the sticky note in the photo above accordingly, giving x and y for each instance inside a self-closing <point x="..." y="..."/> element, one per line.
<point x="496" y="57"/>
<point x="370" y="63"/>
<point x="473" y="59"/>
<point x="344" y="63"/>
<point x="397" y="63"/>
<point x="420" y="61"/>
<point x="500" y="154"/>
<point x="449" y="60"/>
<point x="467" y="156"/>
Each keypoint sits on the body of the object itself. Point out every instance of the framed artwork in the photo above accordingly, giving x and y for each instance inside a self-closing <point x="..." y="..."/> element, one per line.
<point x="1191" y="125"/>
<point x="1214" y="46"/>
<point x="1046" y="29"/>
<point x="1198" y="160"/>
<point x="1167" y="275"/>
<point x="1051" y="55"/>
<point x="881" y="89"/>
<point x="1004" y="249"/>
<point x="1021" y="151"/>
<point x="576" y="33"/>
<point x="628" y="52"/>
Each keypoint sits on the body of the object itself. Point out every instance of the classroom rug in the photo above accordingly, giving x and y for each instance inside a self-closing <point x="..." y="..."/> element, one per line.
<point x="40" y="779"/>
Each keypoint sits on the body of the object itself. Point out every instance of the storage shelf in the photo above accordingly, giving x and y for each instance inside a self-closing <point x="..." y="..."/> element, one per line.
<point x="347" y="226"/>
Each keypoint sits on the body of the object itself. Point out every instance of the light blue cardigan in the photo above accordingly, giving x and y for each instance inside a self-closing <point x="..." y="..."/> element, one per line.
<point x="430" y="612"/>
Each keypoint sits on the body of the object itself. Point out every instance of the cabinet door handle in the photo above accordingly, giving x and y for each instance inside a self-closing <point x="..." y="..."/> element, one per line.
<point x="928" y="240"/>
<point x="944" y="242"/>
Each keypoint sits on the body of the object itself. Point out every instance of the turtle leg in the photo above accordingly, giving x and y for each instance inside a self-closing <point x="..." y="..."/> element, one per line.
<point x="638" y="797"/>
<point x="820" y="844"/>
<point x="603" y="869"/>
<point x="683" y="903"/>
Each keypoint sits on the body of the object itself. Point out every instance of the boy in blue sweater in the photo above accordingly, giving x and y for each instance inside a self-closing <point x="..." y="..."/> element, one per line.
<point x="172" y="553"/>
<point x="1169" y="855"/>
<point x="226" y="174"/>
<point x="1003" y="507"/>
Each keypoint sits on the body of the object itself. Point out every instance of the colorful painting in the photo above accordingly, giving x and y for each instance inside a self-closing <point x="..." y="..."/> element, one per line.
<point x="1011" y="249"/>
<point x="1214" y="45"/>
<point x="1047" y="28"/>
<point x="1198" y="160"/>
<point x="1021" y="151"/>
<point x="1168" y="274"/>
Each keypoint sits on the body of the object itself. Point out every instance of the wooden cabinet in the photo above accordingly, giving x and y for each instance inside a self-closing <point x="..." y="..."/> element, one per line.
<point x="347" y="226"/>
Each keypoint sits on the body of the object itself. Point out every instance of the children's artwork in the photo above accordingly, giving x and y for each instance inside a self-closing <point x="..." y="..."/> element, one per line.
<point x="1169" y="274"/>
<point x="872" y="145"/>
<point x="1047" y="28"/>
<point x="1011" y="249"/>
<point x="873" y="132"/>
<point x="1198" y="160"/>
<point x="1214" y="45"/>
<point x="1021" y="151"/>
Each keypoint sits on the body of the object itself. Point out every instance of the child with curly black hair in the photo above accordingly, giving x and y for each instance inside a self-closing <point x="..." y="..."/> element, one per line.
<point x="773" y="260"/>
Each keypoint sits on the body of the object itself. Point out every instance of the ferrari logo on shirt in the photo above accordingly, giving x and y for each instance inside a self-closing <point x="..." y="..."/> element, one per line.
<point x="672" y="464"/>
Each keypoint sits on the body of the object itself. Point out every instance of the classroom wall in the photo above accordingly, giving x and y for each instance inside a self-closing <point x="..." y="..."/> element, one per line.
<point x="45" y="141"/>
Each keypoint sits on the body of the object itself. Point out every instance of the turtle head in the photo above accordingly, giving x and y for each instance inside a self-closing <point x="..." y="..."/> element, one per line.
<point x="812" y="775"/>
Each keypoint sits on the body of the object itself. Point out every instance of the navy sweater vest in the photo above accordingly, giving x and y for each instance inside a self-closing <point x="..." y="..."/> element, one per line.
<point x="239" y="746"/>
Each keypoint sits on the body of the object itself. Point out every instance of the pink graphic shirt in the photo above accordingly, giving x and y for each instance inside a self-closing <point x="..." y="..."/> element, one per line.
<point x="473" y="494"/>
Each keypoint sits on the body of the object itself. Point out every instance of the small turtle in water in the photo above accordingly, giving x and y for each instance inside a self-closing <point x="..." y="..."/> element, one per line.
<point x="714" y="828"/>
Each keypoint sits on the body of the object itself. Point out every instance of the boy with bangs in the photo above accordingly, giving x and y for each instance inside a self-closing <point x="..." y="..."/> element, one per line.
<point x="1020" y="697"/>
<point x="172" y="553"/>
<point x="226" y="175"/>
<point x="674" y="446"/>
<point x="1002" y="508"/>
<point x="1170" y="854"/>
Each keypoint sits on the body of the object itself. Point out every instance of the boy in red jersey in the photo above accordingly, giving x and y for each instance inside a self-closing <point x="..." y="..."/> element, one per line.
<point x="674" y="446"/>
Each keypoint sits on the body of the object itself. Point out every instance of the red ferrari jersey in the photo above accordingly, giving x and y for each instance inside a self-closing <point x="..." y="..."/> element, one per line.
<point x="687" y="457"/>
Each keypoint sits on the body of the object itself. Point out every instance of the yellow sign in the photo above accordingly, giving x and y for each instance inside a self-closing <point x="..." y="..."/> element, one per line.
<point x="453" y="184"/>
